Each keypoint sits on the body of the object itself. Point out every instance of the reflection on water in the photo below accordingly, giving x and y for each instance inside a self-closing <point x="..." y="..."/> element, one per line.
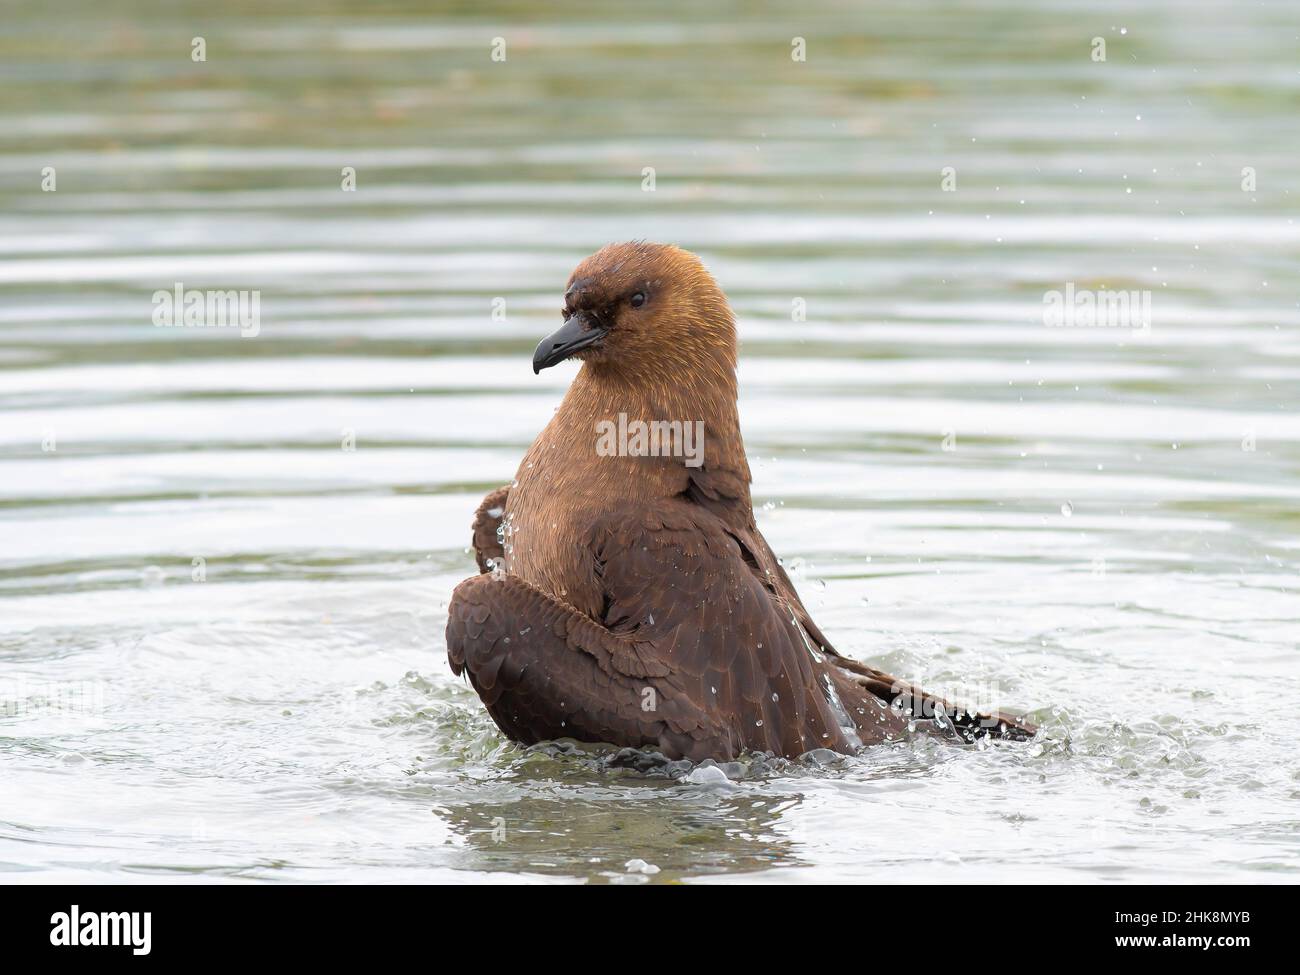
<point x="226" y="561"/>
<point x="591" y="821"/>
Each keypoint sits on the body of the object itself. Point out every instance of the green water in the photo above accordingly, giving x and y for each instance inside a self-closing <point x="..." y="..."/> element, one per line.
<point x="1095" y="524"/>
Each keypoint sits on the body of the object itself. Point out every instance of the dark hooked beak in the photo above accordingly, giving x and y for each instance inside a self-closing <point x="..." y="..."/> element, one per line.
<point x="579" y="332"/>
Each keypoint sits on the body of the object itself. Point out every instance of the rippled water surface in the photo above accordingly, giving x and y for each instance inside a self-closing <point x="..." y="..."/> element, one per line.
<point x="221" y="632"/>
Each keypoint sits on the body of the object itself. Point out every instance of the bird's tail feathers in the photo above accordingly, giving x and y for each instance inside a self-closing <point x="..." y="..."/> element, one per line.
<point x="939" y="713"/>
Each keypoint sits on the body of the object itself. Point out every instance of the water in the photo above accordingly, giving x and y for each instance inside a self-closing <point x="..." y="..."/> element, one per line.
<point x="1066" y="520"/>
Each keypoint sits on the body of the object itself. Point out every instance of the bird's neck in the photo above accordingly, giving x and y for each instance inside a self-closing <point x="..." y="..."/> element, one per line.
<point x="590" y="460"/>
<point x="642" y="437"/>
<point x="702" y="401"/>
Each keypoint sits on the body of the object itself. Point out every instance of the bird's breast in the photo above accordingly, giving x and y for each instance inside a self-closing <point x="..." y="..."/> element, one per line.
<point x="544" y="529"/>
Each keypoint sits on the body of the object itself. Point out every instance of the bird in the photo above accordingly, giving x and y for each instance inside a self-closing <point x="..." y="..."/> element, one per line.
<point x="625" y="595"/>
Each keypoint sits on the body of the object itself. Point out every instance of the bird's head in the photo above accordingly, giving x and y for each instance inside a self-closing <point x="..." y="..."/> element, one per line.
<point x="641" y="309"/>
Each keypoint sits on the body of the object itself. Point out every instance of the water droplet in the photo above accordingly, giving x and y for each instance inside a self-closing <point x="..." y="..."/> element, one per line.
<point x="1067" y="509"/>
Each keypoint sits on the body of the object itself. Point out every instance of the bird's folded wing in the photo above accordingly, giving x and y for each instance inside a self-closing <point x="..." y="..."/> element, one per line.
<point x="899" y="694"/>
<point x="546" y="671"/>
<point x="725" y="493"/>
<point x="677" y="576"/>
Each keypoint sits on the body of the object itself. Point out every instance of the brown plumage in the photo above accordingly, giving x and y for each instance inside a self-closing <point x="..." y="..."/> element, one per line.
<point x="631" y="599"/>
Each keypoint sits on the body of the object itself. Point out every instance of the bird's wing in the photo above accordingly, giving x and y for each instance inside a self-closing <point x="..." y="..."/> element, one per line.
<point x="488" y="550"/>
<point x="726" y="494"/>
<point x="546" y="671"/>
<point x="898" y="693"/>
<point x="691" y="655"/>
<point x="676" y="575"/>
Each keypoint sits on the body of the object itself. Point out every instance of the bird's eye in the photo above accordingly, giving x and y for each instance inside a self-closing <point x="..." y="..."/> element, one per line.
<point x="637" y="300"/>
